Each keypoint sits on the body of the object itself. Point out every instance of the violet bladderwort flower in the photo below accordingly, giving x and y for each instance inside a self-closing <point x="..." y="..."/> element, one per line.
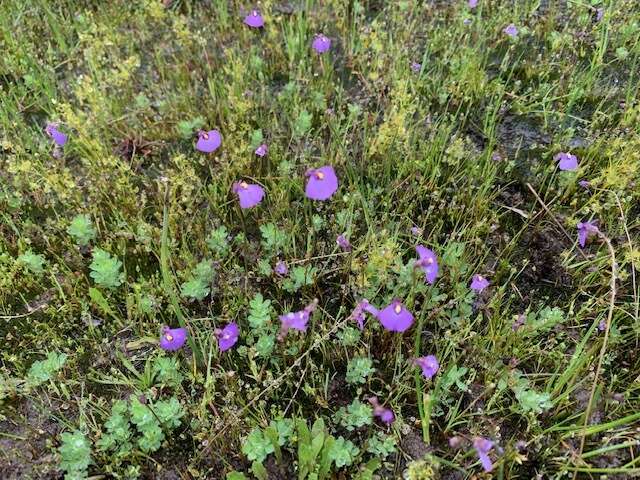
<point x="358" y="314"/>
<point x="478" y="283"/>
<point x="262" y="150"/>
<point x="254" y="19"/>
<point x="586" y="230"/>
<point x="473" y="3"/>
<point x="321" y="43"/>
<point x="281" y="268"/>
<point x="566" y="161"/>
<point x="416" y="67"/>
<point x="395" y="317"/>
<point x="429" y="365"/>
<point x="296" y="320"/>
<point x="428" y="261"/>
<point x="172" y="339"/>
<point x="208" y="141"/>
<point x="228" y="336"/>
<point x="56" y="135"/>
<point x="511" y="30"/>
<point x="519" y="322"/>
<point x="483" y="446"/>
<point x="385" y="415"/>
<point x="249" y="194"/>
<point x="322" y="183"/>
<point x="343" y="243"/>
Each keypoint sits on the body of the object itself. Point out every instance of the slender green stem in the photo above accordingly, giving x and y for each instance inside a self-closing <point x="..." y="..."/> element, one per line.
<point x="167" y="277"/>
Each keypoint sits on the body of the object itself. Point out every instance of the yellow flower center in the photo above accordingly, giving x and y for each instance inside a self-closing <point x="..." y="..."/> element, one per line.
<point x="397" y="308"/>
<point x="319" y="175"/>
<point x="244" y="185"/>
<point x="168" y="336"/>
<point x="205" y="135"/>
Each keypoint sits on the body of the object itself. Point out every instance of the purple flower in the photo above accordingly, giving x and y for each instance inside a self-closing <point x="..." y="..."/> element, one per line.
<point x="296" y="320"/>
<point x="455" y="442"/>
<point x="281" y="268"/>
<point x="483" y="447"/>
<point x="566" y="161"/>
<point x="473" y="3"/>
<point x="385" y="415"/>
<point x="599" y="14"/>
<point x="602" y="326"/>
<point x="417" y="231"/>
<point x="584" y="184"/>
<point x="228" y="336"/>
<point x="358" y="312"/>
<point x="429" y="365"/>
<point x="511" y="30"/>
<point x="56" y="135"/>
<point x="254" y="19"/>
<point x="249" y="194"/>
<point x="467" y="21"/>
<point x="262" y="150"/>
<point x="586" y="230"/>
<point x="322" y="183"/>
<point x="343" y="243"/>
<point x="395" y="317"/>
<point x="208" y="141"/>
<point x="321" y="43"/>
<point x="479" y="283"/>
<point x="416" y="67"/>
<point x="519" y="321"/>
<point x="428" y="261"/>
<point x="172" y="339"/>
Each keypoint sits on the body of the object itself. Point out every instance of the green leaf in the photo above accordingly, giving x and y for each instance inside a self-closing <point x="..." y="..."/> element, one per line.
<point x="100" y="301"/>
<point x="317" y="428"/>
<point x="81" y="229"/>
<point x="259" y="471"/>
<point x="343" y="452"/>
<point x="354" y="416"/>
<point x="358" y="369"/>
<point x="236" y="476"/>
<point x="217" y="241"/>
<point x="33" y="262"/>
<point x="300" y="277"/>
<point x="169" y="412"/>
<point x="166" y="370"/>
<point x="366" y="473"/>
<point x="187" y="127"/>
<point x="259" y="312"/>
<point x="105" y="269"/>
<point x="285" y="428"/>
<point x="273" y="238"/>
<point x="326" y="459"/>
<point x="272" y="435"/>
<point x="42" y="371"/>
<point x="256" y="447"/>
<point x="256" y="139"/>
<point x="194" y="289"/>
<point x="302" y="124"/>
<point x="75" y="454"/>
<point x="265" y="344"/>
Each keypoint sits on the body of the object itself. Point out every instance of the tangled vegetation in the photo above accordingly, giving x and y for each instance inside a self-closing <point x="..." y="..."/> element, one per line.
<point x="319" y="239"/>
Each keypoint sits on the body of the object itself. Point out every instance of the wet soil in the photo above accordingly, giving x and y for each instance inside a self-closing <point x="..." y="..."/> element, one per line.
<point x="24" y="453"/>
